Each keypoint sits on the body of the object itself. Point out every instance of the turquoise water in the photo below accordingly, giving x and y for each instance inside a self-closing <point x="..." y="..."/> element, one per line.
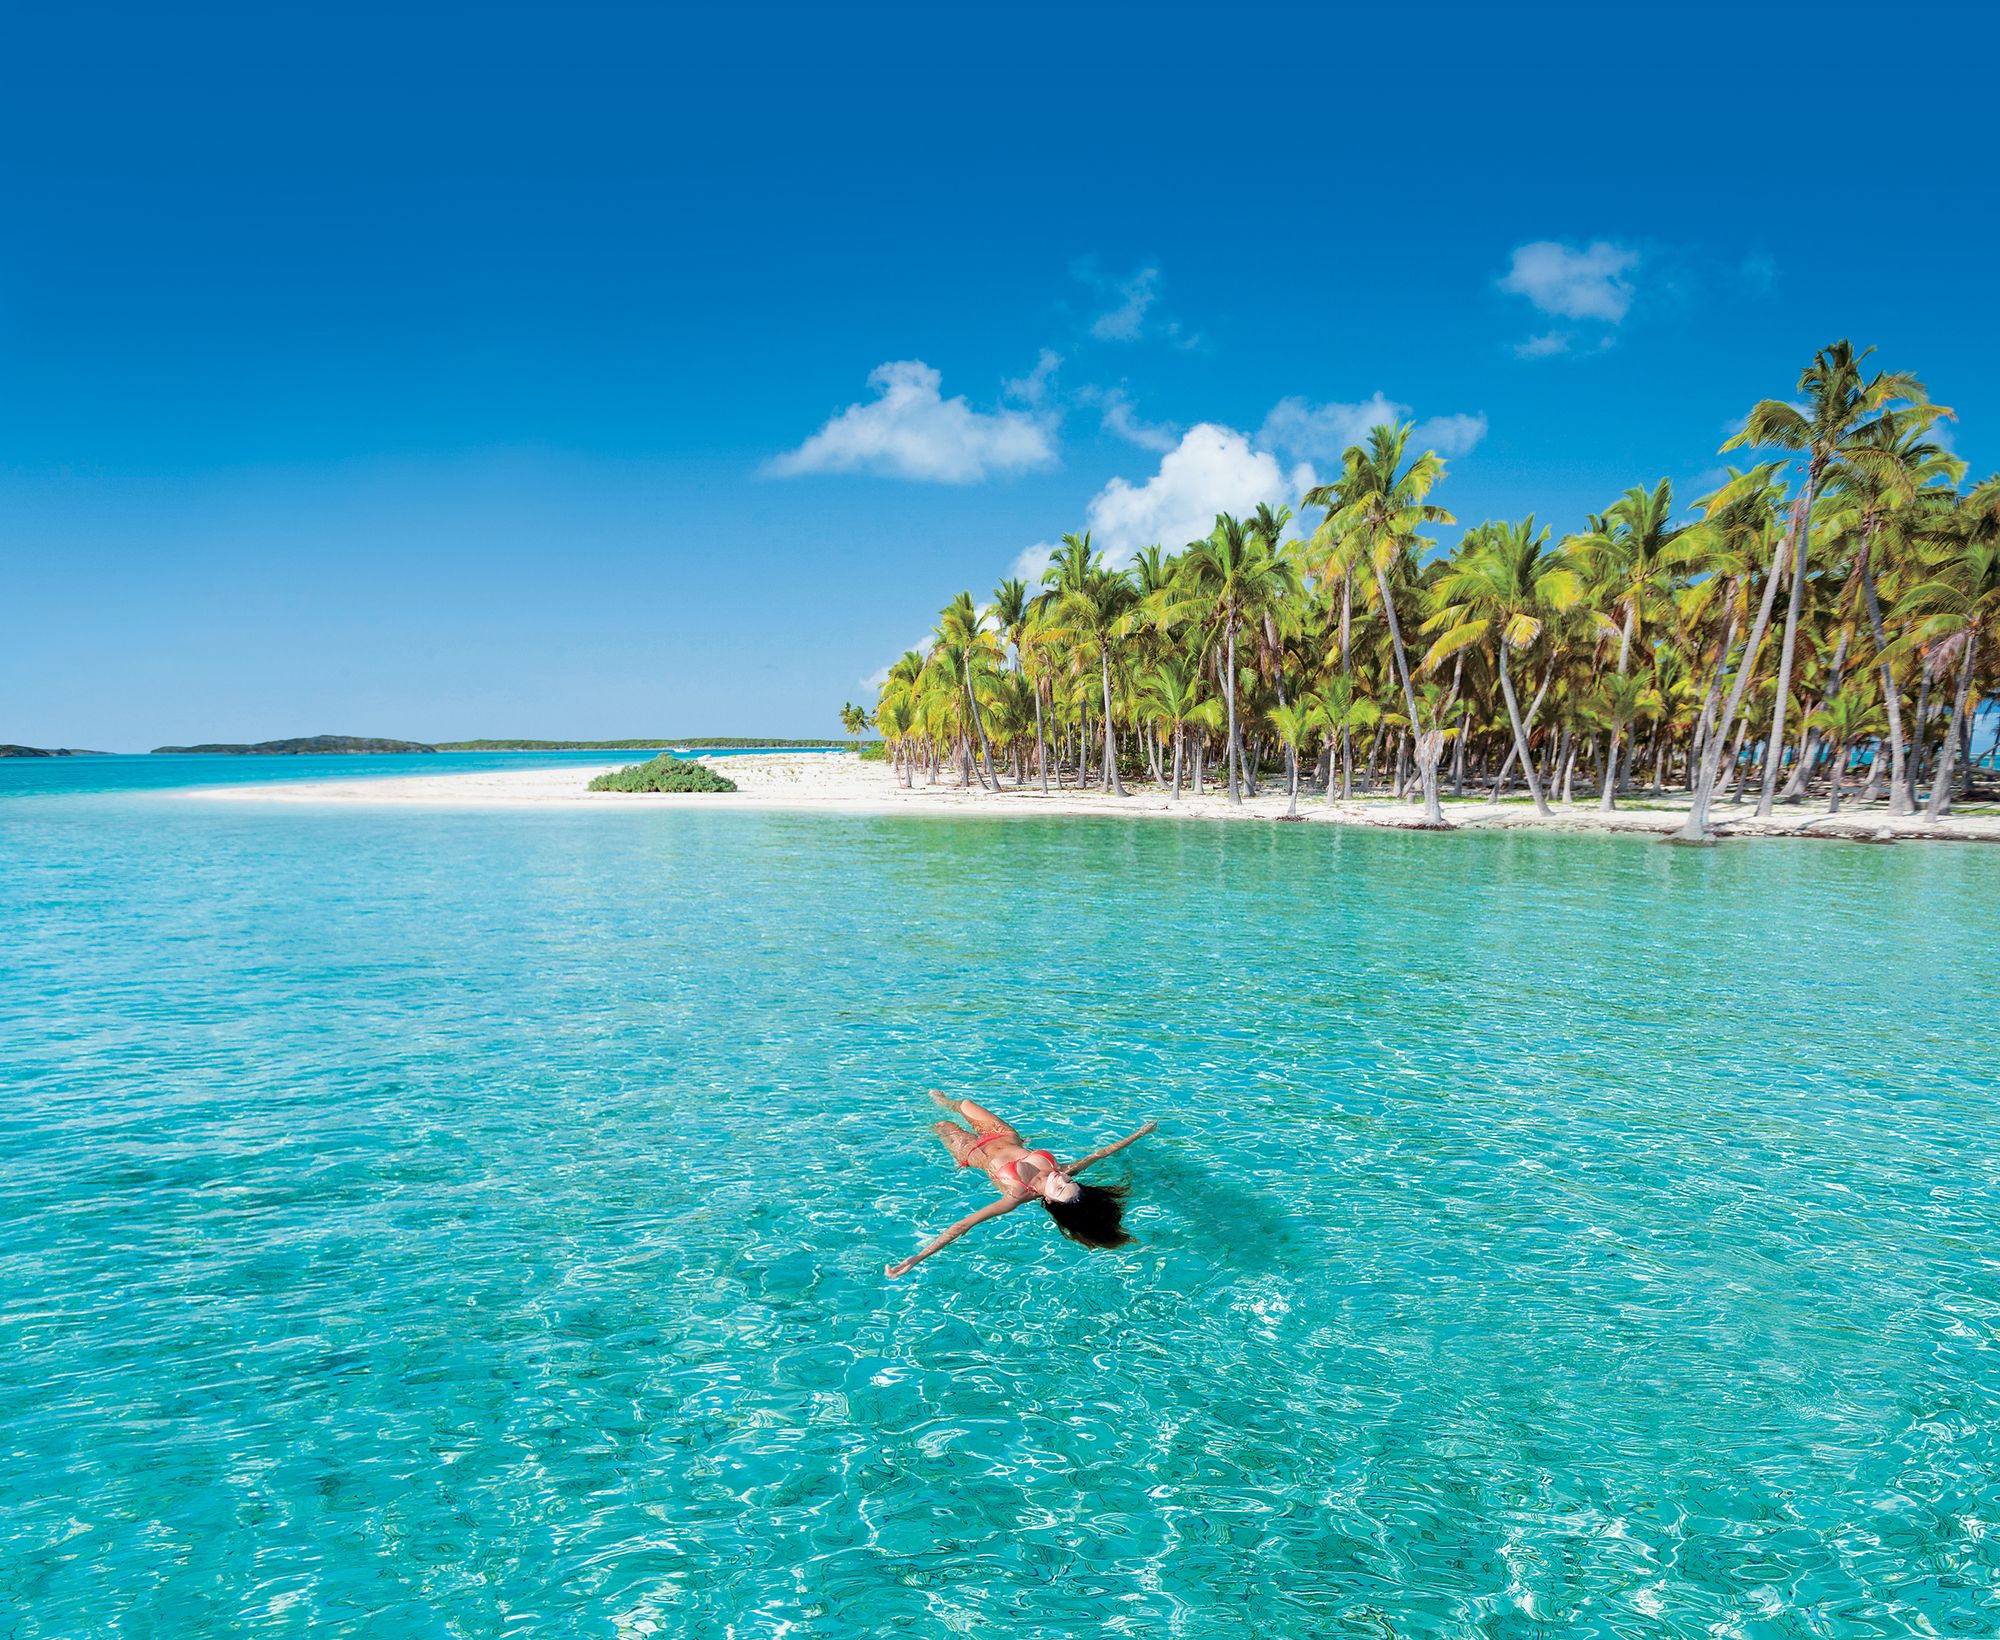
<point x="72" y="776"/>
<point x="472" y="1224"/>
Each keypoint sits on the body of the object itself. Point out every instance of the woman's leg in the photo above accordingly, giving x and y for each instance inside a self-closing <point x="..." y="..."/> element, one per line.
<point x="982" y="1119"/>
<point x="955" y="1139"/>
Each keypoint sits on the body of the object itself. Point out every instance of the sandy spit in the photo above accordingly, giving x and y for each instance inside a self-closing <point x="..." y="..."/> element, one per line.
<point x="841" y="782"/>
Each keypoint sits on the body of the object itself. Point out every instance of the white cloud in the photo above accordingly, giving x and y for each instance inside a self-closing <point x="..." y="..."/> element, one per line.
<point x="1120" y="420"/>
<point x="1450" y="435"/>
<point x="1323" y="432"/>
<point x="1033" y="388"/>
<point x="1031" y="561"/>
<point x="1213" y="469"/>
<point x="1572" y="283"/>
<point x="910" y="431"/>
<point x="1126" y="320"/>
<point x="1543" y="346"/>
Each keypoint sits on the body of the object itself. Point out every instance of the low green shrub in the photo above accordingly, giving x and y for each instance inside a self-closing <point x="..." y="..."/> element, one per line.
<point x="666" y="773"/>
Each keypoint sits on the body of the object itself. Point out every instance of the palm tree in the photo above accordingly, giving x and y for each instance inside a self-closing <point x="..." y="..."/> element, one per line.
<point x="854" y="719"/>
<point x="1011" y="612"/>
<point x="1380" y="502"/>
<point x="1095" y="603"/>
<point x="1172" y="694"/>
<point x="898" y="713"/>
<point x="1628" y="551"/>
<point x="1035" y="641"/>
<point x="1952" y="610"/>
<point x="1894" y="477"/>
<point x="1837" y="422"/>
<point x="963" y="634"/>
<point x="1229" y="578"/>
<point x="1502" y="585"/>
<point x="1847" y="717"/>
<point x="1293" y="721"/>
<point x="1342" y="709"/>
<point x="1739" y="521"/>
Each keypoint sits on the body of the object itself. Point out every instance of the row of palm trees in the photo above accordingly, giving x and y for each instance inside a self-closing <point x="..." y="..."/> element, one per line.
<point x="1644" y="651"/>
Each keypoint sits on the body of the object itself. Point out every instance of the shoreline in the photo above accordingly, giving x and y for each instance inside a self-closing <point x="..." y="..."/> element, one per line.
<point x="839" y="782"/>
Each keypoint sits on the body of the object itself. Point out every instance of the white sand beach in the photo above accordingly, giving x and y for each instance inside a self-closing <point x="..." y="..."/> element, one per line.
<point x="842" y="782"/>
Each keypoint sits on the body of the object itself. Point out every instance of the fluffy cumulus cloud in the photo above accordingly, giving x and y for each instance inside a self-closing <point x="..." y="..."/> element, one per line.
<point x="1573" y="283"/>
<point x="910" y="430"/>
<point x="1212" y="469"/>
<point x="1323" y="432"/>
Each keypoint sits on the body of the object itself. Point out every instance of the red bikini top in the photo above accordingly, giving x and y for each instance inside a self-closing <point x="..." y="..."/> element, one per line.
<point x="1011" y="1170"/>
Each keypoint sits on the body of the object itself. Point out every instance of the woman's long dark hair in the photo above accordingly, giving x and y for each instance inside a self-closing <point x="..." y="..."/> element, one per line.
<point x="1096" y="1218"/>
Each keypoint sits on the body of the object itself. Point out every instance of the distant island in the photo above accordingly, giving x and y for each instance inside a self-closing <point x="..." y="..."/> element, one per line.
<point x="714" y="743"/>
<point x="304" y="746"/>
<point x="47" y="751"/>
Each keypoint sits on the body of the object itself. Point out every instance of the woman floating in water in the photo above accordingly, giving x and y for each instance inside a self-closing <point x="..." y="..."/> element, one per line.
<point x="1088" y="1213"/>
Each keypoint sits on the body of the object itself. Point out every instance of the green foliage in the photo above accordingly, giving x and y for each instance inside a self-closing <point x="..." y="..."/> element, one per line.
<point x="666" y="773"/>
<point x="1644" y="638"/>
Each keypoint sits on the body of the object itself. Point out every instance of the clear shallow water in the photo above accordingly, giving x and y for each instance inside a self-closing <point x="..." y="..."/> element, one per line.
<point x="465" y="1225"/>
<point x="74" y="776"/>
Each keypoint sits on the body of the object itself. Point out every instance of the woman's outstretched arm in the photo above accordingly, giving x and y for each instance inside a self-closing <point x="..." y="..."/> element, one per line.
<point x="992" y="1210"/>
<point x="1099" y="1155"/>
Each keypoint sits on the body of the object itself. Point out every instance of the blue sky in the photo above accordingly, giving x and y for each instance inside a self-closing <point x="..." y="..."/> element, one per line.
<point x="616" y="371"/>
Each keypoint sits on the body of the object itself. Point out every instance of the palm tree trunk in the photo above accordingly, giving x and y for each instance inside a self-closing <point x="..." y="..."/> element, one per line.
<point x="986" y="775"/>
<point x="1940" y="804"/>
<point x="1607" y="800"/>
<point x="1839" y="769"/>
<point x="1041" y="744"/>
<point x="1704" y="725"/>
<point x="1180" y="736"/>
<point x="1814" y="743"/>
<point x="1292" y="807"/>
<point x="1429" y="745"/>
<point x="1892" y="697"/>
<point x="1918" y="732"/>
<point x="1695" y="828"/>
<point x="1229" y="694"/>
<point x="1111" y="780"/>
<point x="1796" y="560"/>
<point x="1520" y="734"/>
